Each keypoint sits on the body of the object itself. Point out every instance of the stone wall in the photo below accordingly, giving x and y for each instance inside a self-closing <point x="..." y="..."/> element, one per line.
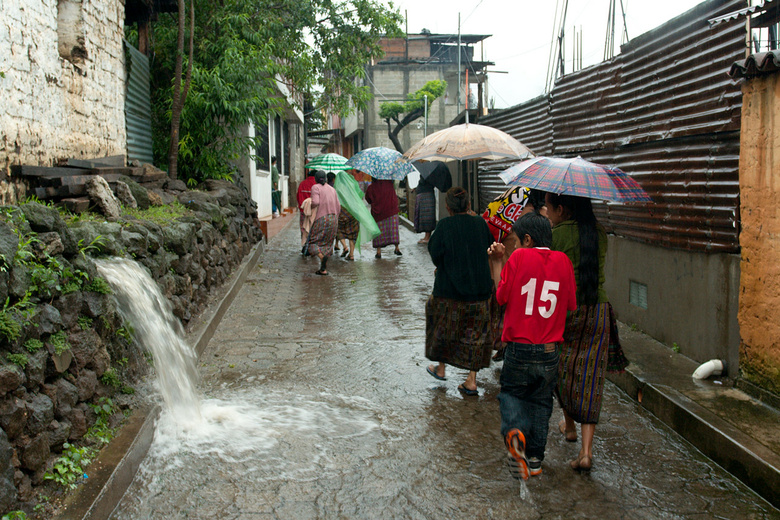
<point x="63" y="88"/>
<point x="759" y="185"/>
<point x="63" y="346"/>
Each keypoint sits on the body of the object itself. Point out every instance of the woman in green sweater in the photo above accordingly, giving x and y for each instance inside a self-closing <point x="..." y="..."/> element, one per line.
<point x="458" y="328"/>
<point x="591" y="345"/>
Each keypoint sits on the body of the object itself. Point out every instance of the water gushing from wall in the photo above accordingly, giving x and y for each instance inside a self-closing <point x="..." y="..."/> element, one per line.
<point x="155" y="328"/>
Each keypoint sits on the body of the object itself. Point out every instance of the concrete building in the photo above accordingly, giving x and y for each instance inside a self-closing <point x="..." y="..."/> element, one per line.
<point x="408" y="64"/>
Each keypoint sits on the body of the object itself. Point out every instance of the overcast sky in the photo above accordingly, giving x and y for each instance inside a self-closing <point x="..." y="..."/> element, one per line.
<point x="522" y="30"/>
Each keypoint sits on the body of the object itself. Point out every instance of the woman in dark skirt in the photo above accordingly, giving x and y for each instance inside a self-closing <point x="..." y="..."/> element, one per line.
<point x="384" y="208"/>
<point x="323" y="232"/>
<point x="459" y="330"/>
<point x="424" y="210"/>
<point x="349" y="228"/>
<point x="591" y="346"/>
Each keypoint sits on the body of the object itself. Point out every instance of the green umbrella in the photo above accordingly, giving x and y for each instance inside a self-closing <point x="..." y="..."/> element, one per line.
<point x="329" y="162"/>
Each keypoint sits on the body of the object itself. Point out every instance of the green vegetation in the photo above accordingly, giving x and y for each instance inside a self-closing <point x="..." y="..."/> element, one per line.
<point x="33" y="345"/>
<point x="98" y="285"/>
<point x="70" y="466"/>
<point x="10" y="328"/>
<point x="85" y="323"/>
<point x="15" y="515"/>
<point x="111" y="378"/>
<point x="100" y="431"/>
<point x="125" y="333"/>
<point x="402" y="114"/>
<point x="60" y="342"/>
<point x="319" y="47"/>
<point x="676" y="348"/>
<point x="18" y="359"/>
<point x="161" y="215"/>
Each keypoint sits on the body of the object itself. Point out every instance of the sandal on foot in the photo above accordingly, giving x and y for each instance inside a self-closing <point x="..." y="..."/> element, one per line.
<point x="398" y="253"/>
<point x="432" y="371"/>
<point x="322" y="273"/>
<point x="569" y="435"/>
<point x="467" y="391"/>
<point x="581" y="464"/>
<point x="345" y="253"/>
<point x="377" y="256"/>
<point x="351" y="258"/>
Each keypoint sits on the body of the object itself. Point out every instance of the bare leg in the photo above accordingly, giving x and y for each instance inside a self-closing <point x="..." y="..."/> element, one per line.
<point x="351" y="249"/>
<point x="379" y="252"/>
<point x="584" y="459"/>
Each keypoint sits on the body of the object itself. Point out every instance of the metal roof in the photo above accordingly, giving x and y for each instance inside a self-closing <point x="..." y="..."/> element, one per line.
<point x="739" y="13"/>
<point x="756" y="64"/>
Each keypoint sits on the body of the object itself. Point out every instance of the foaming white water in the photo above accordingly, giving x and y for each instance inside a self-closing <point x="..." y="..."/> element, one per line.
<point x="273" y="435"/>
<point x="143" y="306"/>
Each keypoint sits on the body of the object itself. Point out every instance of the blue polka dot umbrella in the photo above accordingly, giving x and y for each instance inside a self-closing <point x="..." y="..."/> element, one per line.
<point x="329" y="162"/>
<point x="381" y="163"/>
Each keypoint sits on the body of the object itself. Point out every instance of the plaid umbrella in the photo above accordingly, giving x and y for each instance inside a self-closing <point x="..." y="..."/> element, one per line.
<point x="468" y="141"/>
<point x="329" y="162"/>
<point x="575" y="177"/>
<point x="380" y="163"/>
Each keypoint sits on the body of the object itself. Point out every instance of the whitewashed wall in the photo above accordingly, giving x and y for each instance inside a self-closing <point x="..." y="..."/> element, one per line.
<point x="52" y="107"/>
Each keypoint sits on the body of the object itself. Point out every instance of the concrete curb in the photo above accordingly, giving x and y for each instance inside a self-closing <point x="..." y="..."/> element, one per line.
<point x="732" y="449"/>
<point x="113" y="471"/>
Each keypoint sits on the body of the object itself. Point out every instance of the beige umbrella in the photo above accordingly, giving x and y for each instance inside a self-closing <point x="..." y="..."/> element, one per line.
<point x="468" y="141"/>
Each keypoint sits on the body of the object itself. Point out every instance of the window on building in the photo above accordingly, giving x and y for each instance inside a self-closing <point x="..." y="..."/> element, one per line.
<point x="262" y="149"/>
<point x="70" y="31"/>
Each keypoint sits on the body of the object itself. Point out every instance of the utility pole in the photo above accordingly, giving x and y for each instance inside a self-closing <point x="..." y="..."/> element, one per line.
<point x="458" y="63"/>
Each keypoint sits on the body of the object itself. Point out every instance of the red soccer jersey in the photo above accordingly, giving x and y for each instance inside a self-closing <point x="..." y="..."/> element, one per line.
<point x="537" y="285"/>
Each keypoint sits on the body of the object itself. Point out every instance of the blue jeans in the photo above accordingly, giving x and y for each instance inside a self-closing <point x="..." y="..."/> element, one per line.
<point x="526" y="399"/>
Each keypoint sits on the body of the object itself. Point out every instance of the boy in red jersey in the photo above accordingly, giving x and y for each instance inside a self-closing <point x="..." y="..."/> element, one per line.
<point x="537" y="285"/>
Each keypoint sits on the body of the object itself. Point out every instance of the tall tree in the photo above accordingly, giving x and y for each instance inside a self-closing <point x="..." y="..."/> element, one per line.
<point x="243" y="50"/>
<point x="402" y="114"/>
<point x="179" y="95"/>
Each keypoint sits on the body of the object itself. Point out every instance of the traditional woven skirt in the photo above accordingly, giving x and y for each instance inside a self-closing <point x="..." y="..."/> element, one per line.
<point x="459" y="333"/>
<point x="425" y="213"/>
<point x="585" y="358"/>
<point x="388" y="232"/>
<point x="348" y="226"/>
<point x="323" y="235"/>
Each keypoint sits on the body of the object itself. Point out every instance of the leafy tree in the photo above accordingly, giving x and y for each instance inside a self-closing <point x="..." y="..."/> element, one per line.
<point x="179" y="93"/>
<point x="413" y="108"/>
<point x="317" y="48"/>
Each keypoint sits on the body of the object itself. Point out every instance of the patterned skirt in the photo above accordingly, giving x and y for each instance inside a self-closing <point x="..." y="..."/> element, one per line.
<point x="590" y="347"/>
<point x="348" y="226"/>
<point x="425" y="213"/>
<point x="459" y="333"/>
<point x="323" y="235"/>
<point x="388" y="232"/>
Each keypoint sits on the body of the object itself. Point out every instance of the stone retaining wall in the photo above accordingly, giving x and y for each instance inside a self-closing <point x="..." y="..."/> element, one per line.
<point x="63" y="346"/>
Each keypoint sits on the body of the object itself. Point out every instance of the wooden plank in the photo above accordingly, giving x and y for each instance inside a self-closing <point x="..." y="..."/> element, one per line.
<point x="75" y="180"/>
<point x="123" y="170"/>
<point x="76" y="204"/>
<point x="112" y="160"/>
<point x="44" y="171"/>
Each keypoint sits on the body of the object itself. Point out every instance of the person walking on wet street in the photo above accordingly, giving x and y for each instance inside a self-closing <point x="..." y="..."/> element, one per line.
<point x="304" y="192"/>
<point x="325" y="202"/>
<point x="381" y="195"/>
<point x="591" y="345"/>
<point x="458" y="326"/>
<point x="537" y="286"/>
<point x="424" y="210"/>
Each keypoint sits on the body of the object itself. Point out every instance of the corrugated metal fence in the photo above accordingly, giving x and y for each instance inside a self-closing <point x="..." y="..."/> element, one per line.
<point x="665" y="112"/>
<point x="138" y="109"/>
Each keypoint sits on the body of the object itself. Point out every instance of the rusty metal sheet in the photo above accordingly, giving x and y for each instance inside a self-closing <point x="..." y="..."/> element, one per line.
<point x="665" y="112"/>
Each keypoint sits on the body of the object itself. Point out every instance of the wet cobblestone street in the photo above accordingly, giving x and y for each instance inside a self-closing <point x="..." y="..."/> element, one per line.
<point x="328" y="412"/>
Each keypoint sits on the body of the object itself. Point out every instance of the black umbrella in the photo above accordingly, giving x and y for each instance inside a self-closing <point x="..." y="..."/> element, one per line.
<point x="434" y="173"/>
